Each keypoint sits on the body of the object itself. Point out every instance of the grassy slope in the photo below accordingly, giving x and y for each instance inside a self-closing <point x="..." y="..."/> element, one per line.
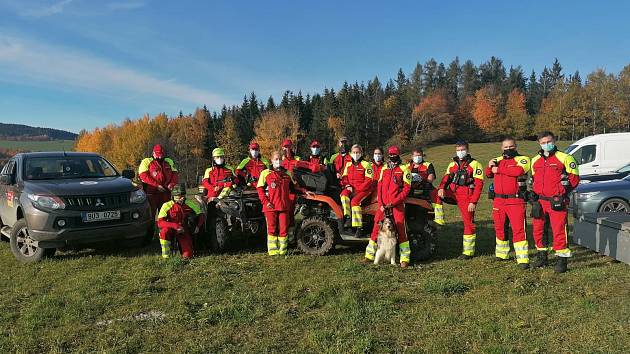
<point x="54" y="145"/>
<point x="249" y="302"/>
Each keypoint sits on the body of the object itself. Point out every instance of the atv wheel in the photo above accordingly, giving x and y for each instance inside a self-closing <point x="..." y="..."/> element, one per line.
<point x="218" y="237"/>
<point x="316" y="237"/>
<point x="23" y="247"/>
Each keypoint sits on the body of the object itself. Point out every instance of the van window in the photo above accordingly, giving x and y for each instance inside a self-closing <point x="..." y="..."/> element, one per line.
<point x="570" y="149"/>
<point x="585" y="154"/>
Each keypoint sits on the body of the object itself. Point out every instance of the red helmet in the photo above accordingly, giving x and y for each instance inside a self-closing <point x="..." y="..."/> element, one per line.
<point x="158" y="151"/>
<point x="287" y="143"/>
<point x="393" y="150"/>
<point x="314" y="143"/>
<point x="254" y="146"/>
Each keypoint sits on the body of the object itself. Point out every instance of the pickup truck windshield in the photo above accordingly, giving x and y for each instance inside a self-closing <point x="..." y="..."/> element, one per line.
<point x="41" y="168"/>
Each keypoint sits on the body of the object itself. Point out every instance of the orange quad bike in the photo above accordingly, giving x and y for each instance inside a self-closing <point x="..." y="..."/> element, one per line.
<point x="320" y="224"/>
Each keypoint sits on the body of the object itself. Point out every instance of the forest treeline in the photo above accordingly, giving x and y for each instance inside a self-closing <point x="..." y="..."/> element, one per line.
<point x="28" y="133"/>
<point x="434" y="103"/>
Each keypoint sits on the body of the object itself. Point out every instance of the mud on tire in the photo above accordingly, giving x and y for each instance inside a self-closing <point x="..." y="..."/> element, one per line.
<point x="316" y="237"/>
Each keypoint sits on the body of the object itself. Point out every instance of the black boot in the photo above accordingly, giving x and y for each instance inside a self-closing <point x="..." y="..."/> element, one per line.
<point x="523" y="266"/>
<point x="464" y="257"/>
<point x="347" y="223"/>
<point x="561" y="265"/>
<point x="540" y="260"/>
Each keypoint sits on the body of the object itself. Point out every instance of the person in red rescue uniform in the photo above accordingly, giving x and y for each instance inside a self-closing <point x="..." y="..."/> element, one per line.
<point x="463" y="182"/>
<point x="357" y="182"/>
<point x="274" y="188"/>
<point x="218" y="179"/>
<point x="422" y="177"/>
<point x="158" y="175"/>
<point x="289" y="159"/>
<point x="315" y="162"/>
<point x="555" y="174"/>
<point x="377" y="163"/>
<point x="340" y="159"/>
<point x="509" y="201"/>
<point x="173" y="221"/>
<point x="393" y="187"/>
<point x="250" y="168"/>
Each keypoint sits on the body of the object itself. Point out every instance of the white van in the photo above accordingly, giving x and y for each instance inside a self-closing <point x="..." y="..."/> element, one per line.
<point x="601" y="153"/>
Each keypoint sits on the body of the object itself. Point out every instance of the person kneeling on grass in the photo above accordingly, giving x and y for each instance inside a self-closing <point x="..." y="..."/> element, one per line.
<point x="274" y="188"/>
<point x="179" y="219"/>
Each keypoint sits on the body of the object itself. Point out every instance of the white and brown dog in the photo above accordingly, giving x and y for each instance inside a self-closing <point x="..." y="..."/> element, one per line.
<point x="386" y="242"/>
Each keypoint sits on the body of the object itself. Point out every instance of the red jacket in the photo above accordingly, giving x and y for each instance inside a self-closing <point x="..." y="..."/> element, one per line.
<point x="173" y="215"/>
<point x="220" y="178"/>
<point x="548" y="172"/>
<point x="340" y="161"/>
<point x="289" y="163"/>
<point x="376" y="168"/>
<point x="154" y="173"/>
<point x="474" y="178"/>
<point x="315" y="163"/>
<point x="274" y="186"/>
<point x="423" y="171"/>
<point x="249" y="169"/>
<point x="394" y="186"/>
<point x="508" y="172"/>
<point x="359" y="176"/>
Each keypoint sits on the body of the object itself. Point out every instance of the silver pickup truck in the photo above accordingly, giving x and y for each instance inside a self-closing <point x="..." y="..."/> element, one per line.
<point x="50" y="200"/>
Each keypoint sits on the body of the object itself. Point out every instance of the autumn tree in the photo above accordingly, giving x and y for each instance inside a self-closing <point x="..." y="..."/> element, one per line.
<point x="275" y="126"/>
<point x="486" y="111"/>
<point x="431" y="119"/>
<point x="228" y="138"/>
<point x="518" y="122"/>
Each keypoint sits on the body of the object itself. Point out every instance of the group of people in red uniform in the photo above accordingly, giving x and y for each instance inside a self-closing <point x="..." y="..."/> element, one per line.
<point x="554" y="175"/>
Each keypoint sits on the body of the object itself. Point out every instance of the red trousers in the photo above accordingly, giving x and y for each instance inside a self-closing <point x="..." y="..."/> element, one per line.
<point x="156" y="200"/>
<point x="399" y="220"/>
<point x="184" y="240"/>
<point x="356" y="197"/>
<point x="558" y="221"/>
<point x="503" y="209"/>
<point x="278" y="222"/>
<point x="462" y="200"/>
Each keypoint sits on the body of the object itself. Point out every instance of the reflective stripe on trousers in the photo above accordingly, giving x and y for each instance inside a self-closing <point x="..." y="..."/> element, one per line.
<point x="345" y="204"/>
<point x="502" y="249"/>
<point x="283" y="243"/>
<point x="272" y="245"/>
<point x="438" y="213"/>
<point x="370" y="250"/>
<point x="405" y="252"/>
<point x="357" y="218"/>
<point x="521" y="249"/>
<point x="469" y="244"/>
<point x="166" y="248"/>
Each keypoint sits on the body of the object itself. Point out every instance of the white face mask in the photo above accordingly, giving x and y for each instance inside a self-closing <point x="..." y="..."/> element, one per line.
<point x="219" y="161"/>
<point x="378" y="157"/>
<point x="461" y="154"/>
<point x="356" y="156"/>
<point x="275" y="163"/>
<point x="254" y="153"/>
<point x="417" y="159"/>
<point x="315" y="151"/>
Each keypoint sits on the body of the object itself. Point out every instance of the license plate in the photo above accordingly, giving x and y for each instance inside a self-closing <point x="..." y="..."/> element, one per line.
<point x="100" y="216"/>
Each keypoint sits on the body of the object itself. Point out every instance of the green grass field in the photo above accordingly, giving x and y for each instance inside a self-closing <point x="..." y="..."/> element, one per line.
<point x="54" y="145"/>
<point x="244" y="301"/>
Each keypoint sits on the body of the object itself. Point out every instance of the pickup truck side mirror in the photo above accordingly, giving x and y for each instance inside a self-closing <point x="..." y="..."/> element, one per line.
<point x="6" y="180"/>
<point x="128" y="174"/>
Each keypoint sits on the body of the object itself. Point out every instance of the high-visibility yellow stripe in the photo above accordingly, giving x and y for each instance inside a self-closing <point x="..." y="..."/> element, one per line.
<point x="272" y="245"/>
<point x="345" y="204"/>
<point x="166" y="248"/>
<point x="405" y="252"/>
<point x="563" y="253"/>
<point x="469" y="244"/>
<point x="370" y="250"/>
<point x="357" y="217"/>
<point x="283" y="243"/>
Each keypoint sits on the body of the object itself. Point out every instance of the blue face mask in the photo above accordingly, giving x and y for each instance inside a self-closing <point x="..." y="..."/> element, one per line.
<point x="547" y="147"/>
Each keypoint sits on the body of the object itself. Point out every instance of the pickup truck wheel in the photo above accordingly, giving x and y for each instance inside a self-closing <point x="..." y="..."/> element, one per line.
<point x="23" y="246"/>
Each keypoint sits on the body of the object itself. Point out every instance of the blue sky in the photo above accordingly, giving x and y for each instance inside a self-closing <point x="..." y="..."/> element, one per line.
<point x="75" y="64"/>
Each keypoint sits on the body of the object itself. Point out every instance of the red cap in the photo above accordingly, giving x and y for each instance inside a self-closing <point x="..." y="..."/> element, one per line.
<point x="158" y="151"/>
<point x="314" y="143"/>
<point x="254" y="146"/>
<point x="287" y="143"/>
<point x="393" y="150"/>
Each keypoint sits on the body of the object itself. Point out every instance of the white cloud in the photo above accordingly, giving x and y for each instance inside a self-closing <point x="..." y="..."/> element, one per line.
<point x="45" y="11"/>
<point x="27" y="61"/>
<point x="125" y="5"/>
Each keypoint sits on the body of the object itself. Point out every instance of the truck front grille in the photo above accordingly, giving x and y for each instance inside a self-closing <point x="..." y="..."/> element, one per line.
<point x="101" y="202"/>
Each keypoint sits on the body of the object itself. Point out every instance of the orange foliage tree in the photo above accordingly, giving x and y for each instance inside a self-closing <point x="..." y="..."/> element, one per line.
<point x="516" y="118"/>
<point x="275" y="126"/>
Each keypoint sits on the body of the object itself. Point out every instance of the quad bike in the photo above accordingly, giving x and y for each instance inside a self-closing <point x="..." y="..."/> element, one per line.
<point x="240" y="211"/>
<point x="320" y="222"/>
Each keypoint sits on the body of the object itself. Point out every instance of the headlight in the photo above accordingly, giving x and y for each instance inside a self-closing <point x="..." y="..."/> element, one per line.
<point x="46" y="201"/>
<point x="137" y="197"/>
<point x="586" y="196"/>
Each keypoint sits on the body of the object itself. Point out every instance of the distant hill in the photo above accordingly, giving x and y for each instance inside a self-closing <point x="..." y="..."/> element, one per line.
<point x="25" y="132"/>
